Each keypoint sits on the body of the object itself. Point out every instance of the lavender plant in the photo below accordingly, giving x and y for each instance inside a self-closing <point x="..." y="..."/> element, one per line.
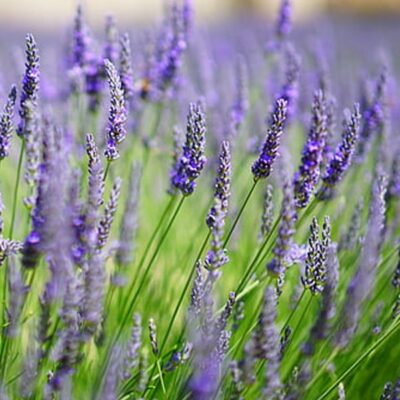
<point x="245" y="283"/>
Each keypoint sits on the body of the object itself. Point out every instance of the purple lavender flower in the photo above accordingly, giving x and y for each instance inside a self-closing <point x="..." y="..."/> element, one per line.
<point x="284" y="22"/>
<point x="341" y="159"/>
<point x="92" y="304"/>
<point x="16" y="301"/>
<point x="289" y="90"/>
<point x="268" y="213"/>
<point x="94" y="72"/>
<point x="68" y="347"/>
<point x="131" y="359"/>
<point x="285" y="232"/>
<point x="315" y="272"/>
<point x="192" y="160"/>
<point x="95" y="195"/>
<point x="327" y="311"/>
<point x="350" y="238"/>
<point x="222" y="186"/>
<point x="216" y="256"/>
<point x="81" y="40"/>
<point x="6" y="123"/>
<point x="34" y="242"/>
<point x="171" y="56"/>
<point x="111" y="46"/>
<point x="363" y="280"/>
<point x="240" y="104"/>
<point x="269" y="343"/>
<point x="126" y="72"/>
<point x="105" y="223"/>
<point x="262" y="167"/>
<point x="153" y="336"/>
<point x="373" y="113"/>
<point x="129" y="224"/>
<point x="116" y="127"/>
<point x="307" y="177"/>
<point x="30" y="87"/>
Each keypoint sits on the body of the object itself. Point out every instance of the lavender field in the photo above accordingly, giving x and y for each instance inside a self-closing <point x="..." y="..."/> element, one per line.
<point x="193" y="210"/>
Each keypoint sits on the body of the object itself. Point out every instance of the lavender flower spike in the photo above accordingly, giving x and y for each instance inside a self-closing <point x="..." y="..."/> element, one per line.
<point x="30" y="87"/>
<point x="270" y="344"/>
<point x="116" y="127"/>
<point x="81" y="39"/>
<point x="362" y="282"/>
<point x="126" y="71"/>
<point x="344" y="152"/>
<point x="315" y="274"/>
<point x="284" y="23"/>
<point x="222" y="187"/>
<point x="111" y="46"/>
<point x="285" y="232"/>
<point x="216" y="257"/>
<point x="6" y="123"/>
<point x="307" y="177"/>
<point x="262" y="167"/>
<point x="129" y="224"/>
<point x="192" y="160"/>
<point x="105" y="223"/>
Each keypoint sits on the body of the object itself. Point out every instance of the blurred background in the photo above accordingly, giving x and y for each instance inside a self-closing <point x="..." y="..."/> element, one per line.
<point x="49" y="14"/>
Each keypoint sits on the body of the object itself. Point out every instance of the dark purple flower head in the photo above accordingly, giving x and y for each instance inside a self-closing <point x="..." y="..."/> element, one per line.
<point x="284" y="22"/>
<point x="262" y="167"/>
<point x="192" y="160"/>
<point x="307" y="177"/>
<point x="116" y="127"/>
<point x="6" y="123"/>
<point x="30" y="86"/>
<point x="222" y="187"/>
<point x="341" y="159"/>
<point x="315" y="271"/>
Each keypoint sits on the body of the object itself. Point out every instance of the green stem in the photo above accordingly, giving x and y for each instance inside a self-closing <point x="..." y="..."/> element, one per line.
<point x="107" y="170"/>
<point x="150" y="264"/>
<point x="293" y="311"/>
<point x="306" y="308"/>
<point x="151" y="240"/>
<point x="235" y="222"/>
<point x="359" y="360"/>
<point x="254" y="261"/>
<point x="183" y="293"/>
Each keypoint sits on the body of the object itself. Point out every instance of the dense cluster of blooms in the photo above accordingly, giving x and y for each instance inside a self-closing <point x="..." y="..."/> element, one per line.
<point x="233" y="259"/>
